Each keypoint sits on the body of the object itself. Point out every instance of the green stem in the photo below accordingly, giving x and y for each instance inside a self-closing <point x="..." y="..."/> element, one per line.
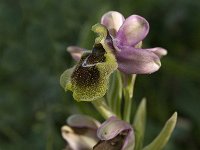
<point x="129" y="81"/>
<point x="118" y="102"/>
<point x="127" y="105"/>
<point x="114" y="93"/>
<point x="102" y="107"/>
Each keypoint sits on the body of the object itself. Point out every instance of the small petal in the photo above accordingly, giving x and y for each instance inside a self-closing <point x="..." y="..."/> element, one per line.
<point x="76" y="52"/>
<point x="160" y="52"/>
<point x="115" y="134"/>
<point x="111" y="128"/>
<point x="137" y="61"/>
<point x="81" y="121"/>
<point x="113" y="21"/>
<point x="134" y="29"/>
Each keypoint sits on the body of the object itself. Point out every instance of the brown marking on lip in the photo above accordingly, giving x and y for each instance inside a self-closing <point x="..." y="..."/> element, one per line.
<point x="89" y="75"/>
<point x="113" y="144"/>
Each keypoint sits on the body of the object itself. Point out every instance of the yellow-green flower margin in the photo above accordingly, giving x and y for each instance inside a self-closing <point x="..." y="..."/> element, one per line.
<point x="97" y="88"/>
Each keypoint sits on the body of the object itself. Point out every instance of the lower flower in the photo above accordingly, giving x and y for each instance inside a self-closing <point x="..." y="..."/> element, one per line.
<point x="85" y="133"/>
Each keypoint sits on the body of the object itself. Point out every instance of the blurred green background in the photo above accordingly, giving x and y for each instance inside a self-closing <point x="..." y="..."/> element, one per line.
<point x="34" y="35"/>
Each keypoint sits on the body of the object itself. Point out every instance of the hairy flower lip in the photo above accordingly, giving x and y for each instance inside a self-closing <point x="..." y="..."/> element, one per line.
<point x="90" y="78"/>
<point x="96" y="57"/>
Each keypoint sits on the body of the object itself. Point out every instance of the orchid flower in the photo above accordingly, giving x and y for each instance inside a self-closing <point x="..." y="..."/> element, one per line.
<point x="117" y="46"/>
<point x="80" y="133"/>
<point x="85" y="133"/>
<point x="127" y="35"/>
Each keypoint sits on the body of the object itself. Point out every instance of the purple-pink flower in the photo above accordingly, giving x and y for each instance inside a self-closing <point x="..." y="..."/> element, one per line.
<point x="126" y="41"/>
<point x="117" y="46"/>
<point x="127" y="35"/>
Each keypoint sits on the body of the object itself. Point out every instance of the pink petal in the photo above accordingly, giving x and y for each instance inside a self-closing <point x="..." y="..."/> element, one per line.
<point x="134" y="29"/>
<point x="158" y="51"/>
<point x="113" y="21"/>
<point x="113" y="127"/>
<point x="76" y="52"/>
<point x="137" y="61"/>
<point x="82" y="121"/>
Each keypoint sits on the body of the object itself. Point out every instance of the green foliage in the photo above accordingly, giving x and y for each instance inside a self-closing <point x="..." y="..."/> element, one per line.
<point x="161" y="140"/>
<point x="33" y="37"/>
<point x="139" y="124"/>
